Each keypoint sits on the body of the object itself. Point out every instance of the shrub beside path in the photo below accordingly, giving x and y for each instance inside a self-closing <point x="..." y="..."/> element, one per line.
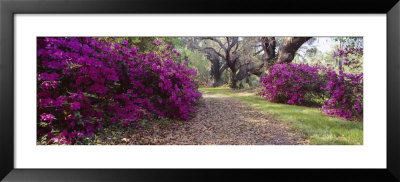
<point x="220" y="120"/>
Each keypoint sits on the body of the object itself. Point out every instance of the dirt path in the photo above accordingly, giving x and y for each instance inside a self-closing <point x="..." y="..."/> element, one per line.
<point x="220" y="120"/>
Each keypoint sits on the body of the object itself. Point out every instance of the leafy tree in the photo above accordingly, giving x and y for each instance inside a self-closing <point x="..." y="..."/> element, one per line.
<point x="218" y="66"/>
<point x="199" y="62"/>
<point x="238" y="54"/>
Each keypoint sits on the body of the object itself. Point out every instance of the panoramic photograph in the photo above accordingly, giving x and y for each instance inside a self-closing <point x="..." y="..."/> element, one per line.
<point x="199" y="91"/>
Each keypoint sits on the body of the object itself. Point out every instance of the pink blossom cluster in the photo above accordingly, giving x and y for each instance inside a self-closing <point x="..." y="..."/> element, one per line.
<point x="87" y="83"/>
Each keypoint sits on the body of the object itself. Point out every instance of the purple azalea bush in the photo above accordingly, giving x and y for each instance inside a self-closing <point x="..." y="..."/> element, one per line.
<point x="290" y="83"/>
<point x="87" y="83"/>
<point x="345" y="94"/>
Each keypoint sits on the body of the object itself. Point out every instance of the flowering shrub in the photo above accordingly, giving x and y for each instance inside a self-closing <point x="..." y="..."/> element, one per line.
<point x="350" y="57"/>
<point x="86" y="83"/>
<point x="345" y="93"/>
<point x="346" y="51"/>
<point x="290" y="83"/>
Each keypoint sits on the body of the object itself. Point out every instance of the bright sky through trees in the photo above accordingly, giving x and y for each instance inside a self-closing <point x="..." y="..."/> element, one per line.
<point x="324" y="44"/>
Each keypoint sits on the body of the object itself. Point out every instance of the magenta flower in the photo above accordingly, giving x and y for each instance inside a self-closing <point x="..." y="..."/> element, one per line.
<point x="116" y="46"/>
<point x="157" y="42"/>
<point x="49" y="135"/>
<point x="73" y="95"/>
<point x="70" y="117"/>
<point x="72" y="135"/>
<point x="75" y="106"/>
<point x="64" y="133"/>
<point x="49" y="76"/>
<point x="60" y="101"/>
<point x="57" y="139"/>
<point x="45" y="102"/>
<point x="48" y="85"/>
<point x="80" y="134"/>
<point x="125" y="43"/>
<point x="72" y="124"/>
<point x="47" y="117"/>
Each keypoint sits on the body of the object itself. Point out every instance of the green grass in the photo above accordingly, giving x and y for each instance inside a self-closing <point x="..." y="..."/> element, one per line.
<point x="321" y="129"/>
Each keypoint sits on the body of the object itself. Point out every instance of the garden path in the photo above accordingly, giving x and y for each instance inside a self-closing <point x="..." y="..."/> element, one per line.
<point x="220" y="120"/>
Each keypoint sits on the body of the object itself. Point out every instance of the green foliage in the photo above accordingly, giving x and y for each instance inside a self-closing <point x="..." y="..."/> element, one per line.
<point x="249" y="82"/>
<point x="199" y="62"/>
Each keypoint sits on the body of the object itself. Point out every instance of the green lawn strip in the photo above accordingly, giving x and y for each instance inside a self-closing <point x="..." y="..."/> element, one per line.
<point x="320" y="128"/>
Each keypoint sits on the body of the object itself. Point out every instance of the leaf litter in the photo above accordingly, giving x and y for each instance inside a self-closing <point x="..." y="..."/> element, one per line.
<point x="219" y="120"/>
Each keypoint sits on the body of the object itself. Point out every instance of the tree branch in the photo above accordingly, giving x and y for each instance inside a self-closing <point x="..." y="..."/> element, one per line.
<point x="289" y="47"/>
<point x="234" y="42"/>
<point x="217" y="41"/>
<point x="258" y="52"/>
<point x="216" y="52"/>
<point x="236" y="48"/>
<point x="223" y="68"/>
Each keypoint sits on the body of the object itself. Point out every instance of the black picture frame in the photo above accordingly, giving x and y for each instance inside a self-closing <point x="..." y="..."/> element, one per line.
<point x="9" y="8"/>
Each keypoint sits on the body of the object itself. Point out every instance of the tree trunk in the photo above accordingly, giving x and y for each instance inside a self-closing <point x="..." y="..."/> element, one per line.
<point x="234" y="81"/>
<point x="233" y="78"/>
<point x="230" y="55"/>
<point x="216" y="75"/>
<point x="268" y="45"/>
<point x="217" y="68"/>
<point x="289" y="47"/>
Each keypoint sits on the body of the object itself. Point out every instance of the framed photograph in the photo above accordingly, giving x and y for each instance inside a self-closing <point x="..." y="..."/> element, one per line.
<point x="154" y="91"/>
